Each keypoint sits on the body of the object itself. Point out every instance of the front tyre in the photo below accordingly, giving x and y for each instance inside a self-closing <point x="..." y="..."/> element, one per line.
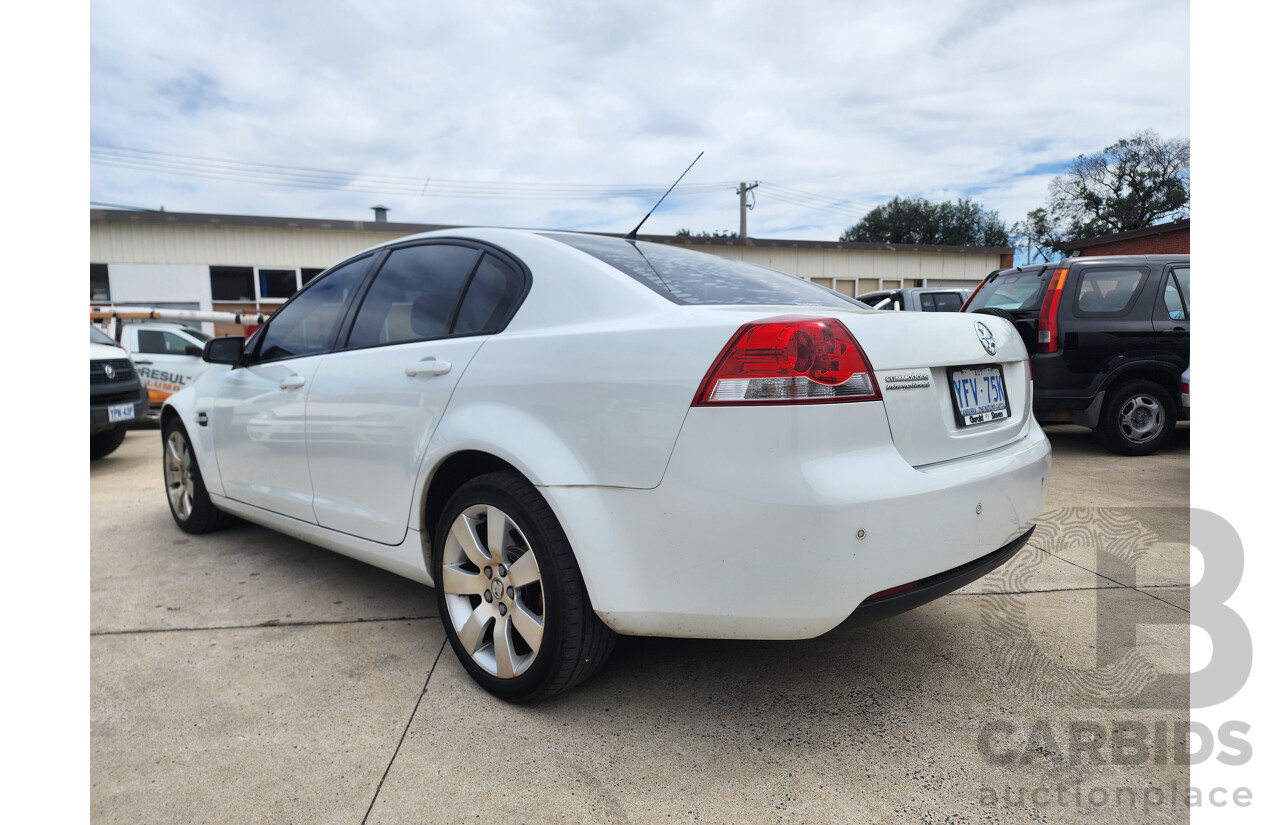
<point x="1137" y="418"/>
<point x="510" y="593"/>
<point x="184" y="486"/>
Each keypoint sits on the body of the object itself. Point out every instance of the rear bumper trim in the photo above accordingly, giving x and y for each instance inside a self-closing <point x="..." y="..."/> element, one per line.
<point x="935" y="586"/>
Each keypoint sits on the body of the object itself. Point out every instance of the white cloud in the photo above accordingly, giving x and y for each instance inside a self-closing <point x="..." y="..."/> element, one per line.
<point x="849" y="100"/>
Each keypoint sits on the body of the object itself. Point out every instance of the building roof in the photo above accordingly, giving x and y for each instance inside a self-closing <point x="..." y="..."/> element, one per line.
<point x="1158" y="229"/>
<point x="203" y="219"/>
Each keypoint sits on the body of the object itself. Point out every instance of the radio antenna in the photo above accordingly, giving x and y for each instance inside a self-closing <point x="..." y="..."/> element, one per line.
<point x="631" y="236"/>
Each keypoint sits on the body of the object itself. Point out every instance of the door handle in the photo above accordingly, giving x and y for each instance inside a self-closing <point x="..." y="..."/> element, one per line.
<point x="428" y="366"/>
<point x="137" y="361"/>
<point x="293" y="382"/>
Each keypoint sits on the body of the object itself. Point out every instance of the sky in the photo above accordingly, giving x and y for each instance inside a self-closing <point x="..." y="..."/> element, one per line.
<point x="577" y="115"/>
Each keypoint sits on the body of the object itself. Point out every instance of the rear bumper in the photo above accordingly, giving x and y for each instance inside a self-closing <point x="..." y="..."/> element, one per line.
<point x="784" y="535"/>
<point x="940" y="584"/>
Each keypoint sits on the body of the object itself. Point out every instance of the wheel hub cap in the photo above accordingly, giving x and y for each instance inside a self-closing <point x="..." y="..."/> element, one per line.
<point x="493" y="591"/>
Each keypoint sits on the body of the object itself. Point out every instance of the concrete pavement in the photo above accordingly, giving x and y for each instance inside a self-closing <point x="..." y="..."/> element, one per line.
<point x="248" y="677"/>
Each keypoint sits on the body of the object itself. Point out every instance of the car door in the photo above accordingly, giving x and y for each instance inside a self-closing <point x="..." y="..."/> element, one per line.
<point x="258" y="421"/>
<point x="1171" y="314"/>
<point x="375" y="402"/>
<point x="167" y="361"/>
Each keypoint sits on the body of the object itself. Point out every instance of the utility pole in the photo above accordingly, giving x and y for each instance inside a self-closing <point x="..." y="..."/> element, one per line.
<point x="743" y="189"/>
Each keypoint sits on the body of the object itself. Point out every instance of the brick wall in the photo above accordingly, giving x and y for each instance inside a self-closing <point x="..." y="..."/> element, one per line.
<point x="1175" y="242"/>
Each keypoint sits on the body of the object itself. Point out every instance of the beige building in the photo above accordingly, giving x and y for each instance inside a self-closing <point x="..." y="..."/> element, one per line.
<point x="227" y="262"/>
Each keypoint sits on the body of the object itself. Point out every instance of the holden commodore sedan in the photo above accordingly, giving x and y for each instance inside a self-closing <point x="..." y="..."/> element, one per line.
<point x="573" y="436"/>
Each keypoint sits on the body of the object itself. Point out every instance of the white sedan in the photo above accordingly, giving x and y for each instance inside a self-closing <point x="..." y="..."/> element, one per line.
<point x="574" y="436"/>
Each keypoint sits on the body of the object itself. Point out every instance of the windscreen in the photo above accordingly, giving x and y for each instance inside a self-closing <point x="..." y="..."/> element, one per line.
<point x="1012" y="291"/>
<point x="686" y="277"/>
<point x="97" y="336"/>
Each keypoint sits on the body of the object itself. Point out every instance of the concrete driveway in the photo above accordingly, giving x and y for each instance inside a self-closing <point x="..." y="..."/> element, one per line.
<point x="247" y="677"/>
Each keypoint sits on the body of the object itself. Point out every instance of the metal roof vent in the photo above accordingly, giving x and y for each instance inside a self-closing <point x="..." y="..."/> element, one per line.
<point x="379" y="213"/>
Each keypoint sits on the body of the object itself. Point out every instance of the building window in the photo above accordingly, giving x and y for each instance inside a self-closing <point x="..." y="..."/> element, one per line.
<point x="277" y="284"/>
<point x="99" y="285"/>
<point x="232" y="283"/>
<point x="309" y="274"/>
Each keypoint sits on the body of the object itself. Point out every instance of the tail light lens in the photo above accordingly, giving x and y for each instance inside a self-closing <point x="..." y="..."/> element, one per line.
<point x="789" y="360"/>
<point x="1047" y="326"/>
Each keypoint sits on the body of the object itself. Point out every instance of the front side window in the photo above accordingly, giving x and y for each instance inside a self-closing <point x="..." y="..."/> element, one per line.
<point x="1107" y="291"/>
<point x="414" y="295"/>
<point x="309" y="323"/>
<point x="160" y="342"/>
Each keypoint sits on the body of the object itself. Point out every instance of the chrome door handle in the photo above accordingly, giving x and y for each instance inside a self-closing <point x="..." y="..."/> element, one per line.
<point x="136" y="361"/>
<point x="428" y="366"/>
<point x="293" y="382"/>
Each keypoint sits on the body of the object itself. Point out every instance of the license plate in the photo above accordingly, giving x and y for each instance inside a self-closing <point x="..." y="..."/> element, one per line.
<point x="978" y="393"/>
<point x="120" y="412"/>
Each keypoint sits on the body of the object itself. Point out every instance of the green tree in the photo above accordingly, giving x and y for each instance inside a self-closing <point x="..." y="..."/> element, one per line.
<point x="1136" y="182"/>
<point x="718" y="233"/>
<point x="919" y="221"/>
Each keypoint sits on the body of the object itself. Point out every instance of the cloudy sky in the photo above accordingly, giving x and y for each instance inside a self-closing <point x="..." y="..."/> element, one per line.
<point x="576" y="115"/>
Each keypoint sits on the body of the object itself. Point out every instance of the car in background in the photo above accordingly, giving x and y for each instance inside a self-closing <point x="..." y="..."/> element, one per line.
<point x="167" y="356"/>
<point x="918" y="299"/>
<point x="1109" y="337"/>
<point x="574" y="436"/>
<point x="117" y="396"/>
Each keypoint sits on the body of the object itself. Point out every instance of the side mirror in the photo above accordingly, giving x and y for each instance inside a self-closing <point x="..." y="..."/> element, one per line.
<point x="228" y="350"/>
<point x="193" y="349"/>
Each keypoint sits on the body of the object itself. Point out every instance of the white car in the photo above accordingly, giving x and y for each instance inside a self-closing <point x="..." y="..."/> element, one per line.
<point x="573" y="436"/>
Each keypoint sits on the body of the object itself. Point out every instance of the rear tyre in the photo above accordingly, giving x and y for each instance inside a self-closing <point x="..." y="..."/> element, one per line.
<point x="105" y="443"/>
<point x="184" y="486"/>
<point x="511" y="595"/>
<point x="1137" y="418"/>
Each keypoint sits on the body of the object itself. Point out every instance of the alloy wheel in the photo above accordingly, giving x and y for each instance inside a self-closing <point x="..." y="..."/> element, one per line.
<point x="178" y="481"/>
<point x="1141" y="419"/>
<point x="493" y="591"/>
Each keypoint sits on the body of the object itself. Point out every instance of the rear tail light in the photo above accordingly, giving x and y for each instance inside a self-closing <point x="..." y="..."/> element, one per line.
<point x="1047" y="335"/>
<point x="789" y="360"/>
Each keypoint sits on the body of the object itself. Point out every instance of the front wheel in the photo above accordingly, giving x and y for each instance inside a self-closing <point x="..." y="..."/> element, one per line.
<point x="510" y="593"/>
<point x="1137" y="418"/>
<point x="189" y="501"/>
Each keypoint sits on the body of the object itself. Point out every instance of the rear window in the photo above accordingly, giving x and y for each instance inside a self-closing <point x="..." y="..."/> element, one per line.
<point x="686" y="277"/>
<point x="1012" y="291"/>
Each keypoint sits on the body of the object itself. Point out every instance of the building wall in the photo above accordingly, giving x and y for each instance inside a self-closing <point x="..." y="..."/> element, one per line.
<point x="1175" y="242"/>
<point x="164" y="262"/>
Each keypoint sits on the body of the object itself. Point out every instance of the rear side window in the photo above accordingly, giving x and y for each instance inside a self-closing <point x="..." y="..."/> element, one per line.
<point x="940" y="301"/>
<point x="1107" y="291"/>
<point x="414" y="295"/>
<point x="685" y="277"/>
<point x="1012" y="291"/>
<point x="490" y="295"/>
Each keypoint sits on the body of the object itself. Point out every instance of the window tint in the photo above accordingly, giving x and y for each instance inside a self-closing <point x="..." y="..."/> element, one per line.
<point x="492" y="291"/>
<point x="277" y="283"/>
<point x="159" y="342"/>
<point x="413" y="295"/>
<point x="1183" y="276"/>
<point x="231" y="283"/>
<point x="97" y="336"/>
<point x="1173" y="301"/>
<point x="946" y="301"/>
<point x="1012" y="291"/>
<point x="1106" y="291"/>
<point x="926" y="302"/>
<point x="685" y="277"/>
<point x="309" y="323"/>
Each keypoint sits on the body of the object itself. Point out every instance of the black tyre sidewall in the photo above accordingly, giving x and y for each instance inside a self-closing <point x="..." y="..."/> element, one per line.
<point x="204" y="516"/>
<point x="503" y="490"/>
<point x="1114" y="437"/>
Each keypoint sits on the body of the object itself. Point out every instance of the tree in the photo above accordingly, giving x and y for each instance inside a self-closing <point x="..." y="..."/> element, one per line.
<point x="1137" y="182"/>
<point x="718" y="233"/>
<point x="919" y="221"/>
